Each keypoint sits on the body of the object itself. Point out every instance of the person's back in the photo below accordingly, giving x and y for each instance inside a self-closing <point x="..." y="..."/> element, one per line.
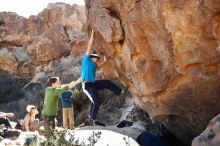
<point x="67" y="106"/>
<point x="67" y="99"/>
<point x="51" y="100"/>
<point x="88" y="70"/>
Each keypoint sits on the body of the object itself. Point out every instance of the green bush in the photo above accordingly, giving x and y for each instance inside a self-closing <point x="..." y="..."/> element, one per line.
<point x="12" y="87"/>
<point x="58" y="139"/>
<point x="80" y="100"/>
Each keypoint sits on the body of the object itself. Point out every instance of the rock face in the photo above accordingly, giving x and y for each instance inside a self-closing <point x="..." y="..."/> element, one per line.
<point x="16" y="61"/>
<point x="210" y="136"/>
<point x="28" y="43"/>
<point x="167" y="52"/>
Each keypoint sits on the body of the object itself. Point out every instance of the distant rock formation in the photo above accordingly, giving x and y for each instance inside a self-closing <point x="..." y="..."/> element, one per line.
<point x="27" y="43"/>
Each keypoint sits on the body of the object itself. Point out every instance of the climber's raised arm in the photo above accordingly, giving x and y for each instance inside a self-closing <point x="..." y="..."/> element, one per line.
<point x="89" y="48"/>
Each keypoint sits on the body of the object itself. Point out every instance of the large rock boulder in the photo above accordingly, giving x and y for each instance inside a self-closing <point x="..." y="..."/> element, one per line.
<point x="167" y="52"/>
<point x="51" y="45"/>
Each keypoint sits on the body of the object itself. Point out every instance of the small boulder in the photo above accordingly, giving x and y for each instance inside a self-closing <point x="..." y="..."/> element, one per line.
<point x="211" y="135"/>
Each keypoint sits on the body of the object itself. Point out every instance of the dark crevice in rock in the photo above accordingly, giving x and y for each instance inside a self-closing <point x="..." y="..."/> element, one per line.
<point x="10" y="44"/>
<point x="131" y="10"/>
<point x="114" y="13"/>
<point x="65" y="30"/>
<point x="121" y="41"/>
<point x="66" y="54"/>
<point x="2" y="23"/>
<point x="123" y="33"/>
<point x="169" y="138"/>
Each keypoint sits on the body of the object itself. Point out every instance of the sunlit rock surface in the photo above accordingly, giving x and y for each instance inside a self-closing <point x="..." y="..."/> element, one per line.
<point x="167" y="52"/>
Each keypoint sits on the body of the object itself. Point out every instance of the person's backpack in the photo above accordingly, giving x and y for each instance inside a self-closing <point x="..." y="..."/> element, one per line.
<point x="147" y="139"/>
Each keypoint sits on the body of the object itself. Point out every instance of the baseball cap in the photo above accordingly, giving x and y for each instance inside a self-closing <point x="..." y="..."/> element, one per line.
<point x="94" y="54"/>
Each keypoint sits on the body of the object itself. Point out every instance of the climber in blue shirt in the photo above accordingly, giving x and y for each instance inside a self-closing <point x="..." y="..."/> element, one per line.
<point x="89" y="84"/>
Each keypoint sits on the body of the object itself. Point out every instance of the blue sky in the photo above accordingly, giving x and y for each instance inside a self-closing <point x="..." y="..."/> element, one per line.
<point x="30" y="7"/>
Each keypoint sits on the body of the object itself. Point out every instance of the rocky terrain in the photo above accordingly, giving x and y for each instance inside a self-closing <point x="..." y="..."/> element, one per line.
<point x="166" y="52"/>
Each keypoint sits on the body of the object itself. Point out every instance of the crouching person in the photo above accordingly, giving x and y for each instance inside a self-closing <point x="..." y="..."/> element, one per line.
<point x="30" y="123"/>
<point x="51" y="98"/>
<point x="67" y="106"/>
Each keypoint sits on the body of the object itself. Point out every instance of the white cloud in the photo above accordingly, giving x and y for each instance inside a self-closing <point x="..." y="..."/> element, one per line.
<point x="30" y="7"/>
